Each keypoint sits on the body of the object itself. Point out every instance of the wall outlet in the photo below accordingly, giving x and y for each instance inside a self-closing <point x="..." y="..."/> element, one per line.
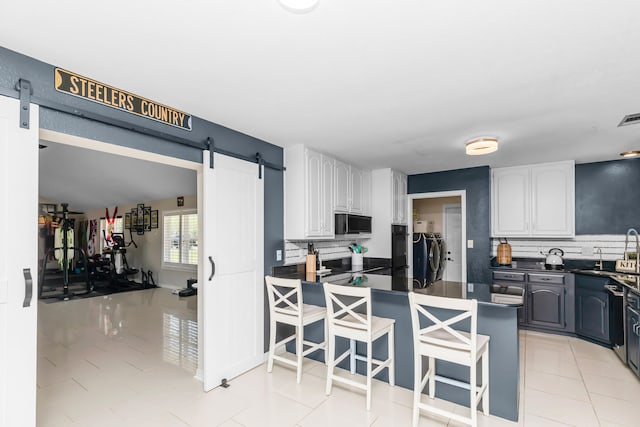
<point x="279" y="255"/>
<point x="470" y="244"/>
<point x="587" y="250"/>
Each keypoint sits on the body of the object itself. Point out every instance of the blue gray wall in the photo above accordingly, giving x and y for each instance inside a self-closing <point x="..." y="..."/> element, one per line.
<point x="14" y="66"/>
<point x="607" y="197"/>
<point x="477" y="183"/>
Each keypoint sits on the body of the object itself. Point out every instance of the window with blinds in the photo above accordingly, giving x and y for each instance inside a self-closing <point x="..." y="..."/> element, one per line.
<point x="180" y="239"/>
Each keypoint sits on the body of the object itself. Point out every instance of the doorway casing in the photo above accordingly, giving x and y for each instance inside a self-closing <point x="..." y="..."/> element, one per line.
<point x="435" y="195"/>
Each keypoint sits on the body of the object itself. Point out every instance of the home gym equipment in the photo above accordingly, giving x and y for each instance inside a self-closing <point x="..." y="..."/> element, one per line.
<point x="117" y="253"/>
<point x="189" y="290"/>
<point x="64" y="251"/>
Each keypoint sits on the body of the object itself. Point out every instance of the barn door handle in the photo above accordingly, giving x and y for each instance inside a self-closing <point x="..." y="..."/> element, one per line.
<point x="28" y="287"/>
<point x="213" y="268"/>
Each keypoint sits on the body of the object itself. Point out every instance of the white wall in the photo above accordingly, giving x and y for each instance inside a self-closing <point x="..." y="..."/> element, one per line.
<point x="430" y="210"/>
<point x="148" y="255"/>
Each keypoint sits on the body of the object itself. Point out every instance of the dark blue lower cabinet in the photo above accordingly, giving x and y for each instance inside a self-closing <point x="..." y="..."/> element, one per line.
<point x="546" y="306"/>
<point x="592" y="315"/>
<point x="633" y="340"/>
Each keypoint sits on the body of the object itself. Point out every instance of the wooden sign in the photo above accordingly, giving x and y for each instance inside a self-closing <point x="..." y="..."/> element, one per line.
<point x="86" y="88"/>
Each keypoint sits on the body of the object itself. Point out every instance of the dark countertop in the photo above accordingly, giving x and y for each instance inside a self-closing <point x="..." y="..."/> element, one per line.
<point x="628" y="280"/>
<point x="586" y="267"/>
<point x="380" y="279"/>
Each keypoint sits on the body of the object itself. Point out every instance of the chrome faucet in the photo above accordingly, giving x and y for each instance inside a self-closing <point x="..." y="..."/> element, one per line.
<point x="599" y="263"/>
<point x="630" y="232"/>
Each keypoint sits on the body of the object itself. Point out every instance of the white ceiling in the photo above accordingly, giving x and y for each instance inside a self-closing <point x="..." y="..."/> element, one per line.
<point x="89" y="179"/>
<point x="386" y="83"/>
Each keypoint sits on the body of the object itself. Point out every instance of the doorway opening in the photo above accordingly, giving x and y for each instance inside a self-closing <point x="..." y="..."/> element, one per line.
<point x="120" y="328"/>
<point x="438" y="230"/>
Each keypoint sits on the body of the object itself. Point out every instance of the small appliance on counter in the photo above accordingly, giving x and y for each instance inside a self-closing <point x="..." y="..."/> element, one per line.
<point x="553" y="260"/>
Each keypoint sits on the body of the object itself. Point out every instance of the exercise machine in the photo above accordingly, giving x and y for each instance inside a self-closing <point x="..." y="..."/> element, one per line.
<point x="63" y="251"/>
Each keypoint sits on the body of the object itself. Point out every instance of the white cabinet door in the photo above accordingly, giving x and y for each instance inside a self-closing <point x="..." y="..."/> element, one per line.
<point x="18" y="259"/>
<point x="341" y="194"/>
<point x="533" y="201"/>
<point x="403" y="200"/>
<point x="510" y="197"/>
<point x="399" y="196"/>
<point x="356" y="187"/>
<point x="326" y="197"/>
<point x="553" y="200"/>
<point x="233" y="288"/>
<point x="366" y="193"/>
<point x="314" y="195"/>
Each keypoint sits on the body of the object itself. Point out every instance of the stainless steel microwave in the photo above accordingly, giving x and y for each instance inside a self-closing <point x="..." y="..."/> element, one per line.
<point x="352" y="224"/>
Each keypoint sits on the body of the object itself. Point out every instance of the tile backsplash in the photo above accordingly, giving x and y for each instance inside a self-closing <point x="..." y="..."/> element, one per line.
<point x="580" y="247"/>
<point x="295" y="252"/>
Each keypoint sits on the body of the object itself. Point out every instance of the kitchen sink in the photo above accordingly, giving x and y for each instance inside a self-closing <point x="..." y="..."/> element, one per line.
<point x="604" y="273"/>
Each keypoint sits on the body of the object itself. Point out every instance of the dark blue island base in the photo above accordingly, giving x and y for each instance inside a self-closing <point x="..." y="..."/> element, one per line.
<point x="497" y="321"/>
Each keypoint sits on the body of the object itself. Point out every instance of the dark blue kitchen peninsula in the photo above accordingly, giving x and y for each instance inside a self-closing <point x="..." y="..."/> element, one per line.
<point x="390" y="299"/>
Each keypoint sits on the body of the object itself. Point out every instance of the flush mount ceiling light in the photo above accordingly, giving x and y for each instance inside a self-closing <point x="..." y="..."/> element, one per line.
<point x="298" y="6"/>
<point x="483" y="145"/>
<point x="628" y="154"/>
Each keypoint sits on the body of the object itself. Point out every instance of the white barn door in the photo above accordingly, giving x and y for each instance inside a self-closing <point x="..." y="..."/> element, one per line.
<point x="18" y="261"/>
<point x="232" y="263"/>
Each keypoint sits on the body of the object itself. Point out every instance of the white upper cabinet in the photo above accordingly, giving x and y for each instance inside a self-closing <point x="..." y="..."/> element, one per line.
<point x="553" y="199"/>
<point x="349" y="194"/>
<point x="399" y="198"/>
<point x="308" y="194"/>
<point x="510" y="201"/>
<point x="357" y="190"/>
<point x="342" y="177"/>
<point x="533" y="201"/>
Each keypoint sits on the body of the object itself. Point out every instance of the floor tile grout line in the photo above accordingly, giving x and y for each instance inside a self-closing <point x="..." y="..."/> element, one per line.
<point x="593" y="408"/>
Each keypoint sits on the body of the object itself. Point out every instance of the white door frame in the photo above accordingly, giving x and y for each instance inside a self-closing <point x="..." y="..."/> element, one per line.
<point x="105" y="147"/>
<point x="463" y="209"/>
<point x="444" y="221"/>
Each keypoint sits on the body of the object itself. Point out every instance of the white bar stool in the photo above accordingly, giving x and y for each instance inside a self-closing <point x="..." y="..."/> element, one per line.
<point x="441" y="341"/>
<point x="344" y="321"/>
<point x="286" y="306"/>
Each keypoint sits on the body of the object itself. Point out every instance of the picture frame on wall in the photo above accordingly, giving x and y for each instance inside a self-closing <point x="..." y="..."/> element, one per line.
<point x="146" y="223"/>
<point x="154" y="219"/>
<point x="127" y="221"/>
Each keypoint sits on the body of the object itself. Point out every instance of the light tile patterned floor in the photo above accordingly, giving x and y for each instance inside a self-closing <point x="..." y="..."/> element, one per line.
<point x="129" y="359"/>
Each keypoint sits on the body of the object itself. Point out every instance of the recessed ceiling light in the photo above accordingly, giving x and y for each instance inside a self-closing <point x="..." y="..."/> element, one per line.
<point x="299" y="6"/>
<point x="483" y="145"/>
<point x="628" y="154"/>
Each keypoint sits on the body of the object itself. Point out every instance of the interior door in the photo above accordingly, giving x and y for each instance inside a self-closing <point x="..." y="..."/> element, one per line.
<point x="453" y="243"/>
<point x="233" y="266"/>
<point x="18" y="263"/>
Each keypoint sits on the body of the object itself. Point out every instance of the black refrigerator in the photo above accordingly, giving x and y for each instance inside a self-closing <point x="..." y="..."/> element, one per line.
<point x="399" y="262"/>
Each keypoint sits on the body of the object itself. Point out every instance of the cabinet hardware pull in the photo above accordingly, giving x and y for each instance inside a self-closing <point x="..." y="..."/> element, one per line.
<point x="28" y="287"/>
<point x="213" y="268"/>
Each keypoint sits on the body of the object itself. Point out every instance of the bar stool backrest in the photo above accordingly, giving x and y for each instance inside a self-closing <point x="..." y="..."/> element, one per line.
<point x="342" y="303"/>
<point x="285" y="295"/>
<point x="441" y="333"/>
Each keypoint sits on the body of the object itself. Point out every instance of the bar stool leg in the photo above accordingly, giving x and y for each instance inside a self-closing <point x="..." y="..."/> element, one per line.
<point x="485" y="382"/>
<point x="432" y="377"/>
<point x="299" y="350"/>
<point x="369" y="370"/>
<point x="330" y="359"/>
<point x="472" y="393"/>
<point x="417" y="390"/>
<point x="392" y="365"/>
<point x="272" y="344"/>
<point x="352" y="356"/>
<point x="326" y="341"/>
